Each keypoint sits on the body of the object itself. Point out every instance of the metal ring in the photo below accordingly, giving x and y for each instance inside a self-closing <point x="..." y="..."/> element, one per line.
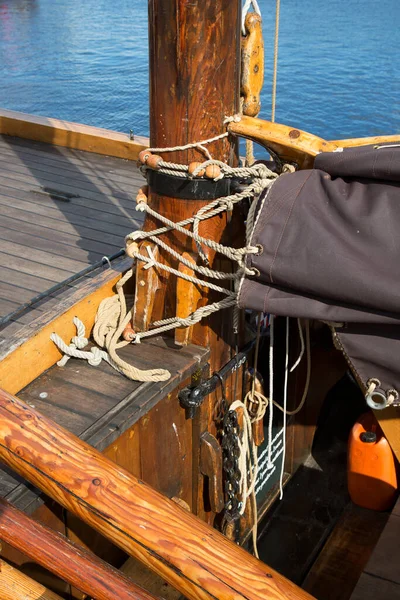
<point x="260" y="249"/>
<point x="255" y="272"/>
<point x="377" y="400"/>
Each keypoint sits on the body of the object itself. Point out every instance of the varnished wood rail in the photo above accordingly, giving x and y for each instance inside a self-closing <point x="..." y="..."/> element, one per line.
<point x="71" y="135"/>
<point x="70" y="562"/>
<point x="294" y="145"/>
<point x="197" y="560"/>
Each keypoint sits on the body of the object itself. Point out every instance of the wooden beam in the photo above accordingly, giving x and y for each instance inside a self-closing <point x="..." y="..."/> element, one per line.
<point x="290" y="144"/>
<point x="73" y="564"/>
<point x="71" y="135"/>
<point x="195" y="559"/>
<point x="15" y="585"/>
<point x="31" y="352"/>
<point x="294" y="145"/>
<point x="365" y="141"/>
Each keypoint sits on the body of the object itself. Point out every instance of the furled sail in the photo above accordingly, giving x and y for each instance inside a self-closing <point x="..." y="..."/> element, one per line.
<point x="331" y="251"/>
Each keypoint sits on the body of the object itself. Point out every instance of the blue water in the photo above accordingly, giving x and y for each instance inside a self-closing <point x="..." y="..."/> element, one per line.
<point x="86" y="61"/>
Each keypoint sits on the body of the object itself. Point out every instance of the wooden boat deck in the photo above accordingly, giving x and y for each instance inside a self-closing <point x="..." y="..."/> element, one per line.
<point x="60" y="211"/>
<point x="99" y="405"/>
<point x="381" y="577"/>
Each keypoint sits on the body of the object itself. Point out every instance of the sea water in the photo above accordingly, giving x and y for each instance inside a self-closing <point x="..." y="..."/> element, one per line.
<point x="87" y="61"/>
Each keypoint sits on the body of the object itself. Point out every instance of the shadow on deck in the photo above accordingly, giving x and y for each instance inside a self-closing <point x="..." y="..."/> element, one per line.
<point x="60" y="211"/>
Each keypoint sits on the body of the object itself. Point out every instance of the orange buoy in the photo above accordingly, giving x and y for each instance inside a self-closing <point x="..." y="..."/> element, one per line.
<point x="371" y="472"/>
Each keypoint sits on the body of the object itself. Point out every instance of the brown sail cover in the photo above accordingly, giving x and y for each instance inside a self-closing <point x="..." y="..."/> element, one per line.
<point x="331" y="251"/>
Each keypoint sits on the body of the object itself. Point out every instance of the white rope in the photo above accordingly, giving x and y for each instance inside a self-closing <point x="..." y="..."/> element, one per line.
<point x="111" y="320"/>
<point x="285" y="392"/>
<point x="275" y="71"/>
<point x="271" y="388"/>
<point x="245" y="10"/>
<point x="113" y="317"/>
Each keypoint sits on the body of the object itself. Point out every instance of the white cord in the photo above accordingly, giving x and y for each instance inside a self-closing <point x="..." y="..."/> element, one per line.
<point x="245" y="10"/>
<point x="285" y="390"/>
<point x="271" y="388"/>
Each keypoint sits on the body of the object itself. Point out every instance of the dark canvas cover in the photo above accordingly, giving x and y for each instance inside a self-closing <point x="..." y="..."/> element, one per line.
<point x="331" y="251"/>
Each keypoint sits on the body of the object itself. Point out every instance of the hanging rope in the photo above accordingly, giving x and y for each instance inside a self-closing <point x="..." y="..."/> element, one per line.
<point x="275" y="71"/>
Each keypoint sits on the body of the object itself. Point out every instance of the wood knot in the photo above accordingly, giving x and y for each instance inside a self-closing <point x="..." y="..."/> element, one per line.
<point x="96" y="481"/>
<point x="294" y="133"/>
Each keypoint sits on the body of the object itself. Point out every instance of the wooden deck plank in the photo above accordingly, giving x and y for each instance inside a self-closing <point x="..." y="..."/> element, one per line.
<point x="44" y="240"/>
<point x="71" y="156"/>
<point x="374" y="588"/>
<point x="98" y="222"/>
<point x="70" y="226"/>
<point x="96" y="403"/>
<point x="43" y="234"/>
<point x="337" y="569"/>
<point x="384" y="562"/>
<point x="93" y="207"/>
<point x="54" y="176"/>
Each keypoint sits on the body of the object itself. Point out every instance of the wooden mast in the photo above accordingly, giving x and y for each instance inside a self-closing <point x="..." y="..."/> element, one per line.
<point x="194" y="85"/>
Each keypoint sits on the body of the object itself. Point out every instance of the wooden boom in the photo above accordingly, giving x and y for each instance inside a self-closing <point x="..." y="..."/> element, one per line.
<point x="294" y="145"/>
<point x="72" y="563"/>
<point x="197" y="560"/>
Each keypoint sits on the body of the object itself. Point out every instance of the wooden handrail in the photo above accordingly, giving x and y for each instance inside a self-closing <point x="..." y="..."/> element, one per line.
<point x="194" y="558"/>
<point x="290" y="144"/>
<point x="15" y="585"/>
<point x="70" y="562"/>
<point x="294" y="145"/>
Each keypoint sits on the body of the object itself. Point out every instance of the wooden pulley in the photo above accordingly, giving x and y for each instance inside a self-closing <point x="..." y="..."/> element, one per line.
<point x="252" y="77"/>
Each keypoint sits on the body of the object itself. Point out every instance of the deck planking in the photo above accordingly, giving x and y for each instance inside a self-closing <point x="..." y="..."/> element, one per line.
<point x="381" y="577"/>
<point x="44" y="239"/>
<point x="98" y="404"/>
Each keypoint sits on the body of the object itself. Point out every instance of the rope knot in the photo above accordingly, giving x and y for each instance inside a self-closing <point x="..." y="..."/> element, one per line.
<point x="79" y="342"/>
<point x="97" y="357"/>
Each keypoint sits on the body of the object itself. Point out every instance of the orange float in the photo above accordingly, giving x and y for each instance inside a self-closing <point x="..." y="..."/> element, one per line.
<point x="371" y="473"/>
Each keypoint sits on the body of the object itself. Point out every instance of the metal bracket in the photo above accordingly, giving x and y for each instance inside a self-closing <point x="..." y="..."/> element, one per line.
<point x="190" y="398"/>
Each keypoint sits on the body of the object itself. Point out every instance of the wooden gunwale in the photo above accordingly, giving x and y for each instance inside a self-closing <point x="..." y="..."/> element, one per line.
<point x="71" y="135"/>
<point x="30" y="351"/>
<point x="73" y="564"/>
<point x="188" y="554"/>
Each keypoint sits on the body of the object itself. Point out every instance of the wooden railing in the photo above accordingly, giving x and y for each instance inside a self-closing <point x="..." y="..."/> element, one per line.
<point x="194" y="558"/>
<point x="70" y="562"/>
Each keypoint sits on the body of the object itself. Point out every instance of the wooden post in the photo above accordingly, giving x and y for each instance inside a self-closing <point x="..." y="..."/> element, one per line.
<point x="72" y="563"/>
<point x="195" y="559"/>
<point x="194" y="85"/>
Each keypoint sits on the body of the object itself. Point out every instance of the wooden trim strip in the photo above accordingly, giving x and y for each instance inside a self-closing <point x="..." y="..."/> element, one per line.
<point x="194" y="558"/>
<point x="30" y="351"/>
<point x="73" y="564"/>
<point x="366" y="141"/>
<point x="71" y="135"/>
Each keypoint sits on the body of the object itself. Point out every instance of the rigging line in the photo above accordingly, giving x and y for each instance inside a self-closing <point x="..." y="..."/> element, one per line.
<point x="285" y="392"/>
<point x="245" y="10"/>
<point x="271" y="388"/>
<point x="275" y="72"/>
<point x="308" y="377"/>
